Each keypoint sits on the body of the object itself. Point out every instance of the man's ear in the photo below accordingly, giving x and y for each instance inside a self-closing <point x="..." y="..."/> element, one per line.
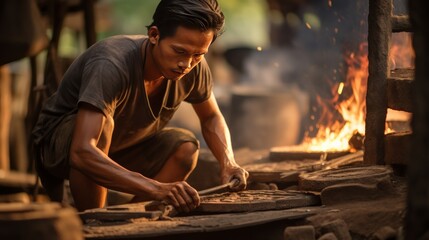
<point x="153" y="34"/>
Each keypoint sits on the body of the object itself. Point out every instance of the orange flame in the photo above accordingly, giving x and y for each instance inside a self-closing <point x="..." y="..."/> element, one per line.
<point x="401" y="53"/>
<point x="336" y="134"/>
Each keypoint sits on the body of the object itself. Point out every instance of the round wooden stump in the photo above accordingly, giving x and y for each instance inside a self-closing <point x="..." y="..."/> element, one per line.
<point x="47" y="221"/>
<point x="317" y="181"/>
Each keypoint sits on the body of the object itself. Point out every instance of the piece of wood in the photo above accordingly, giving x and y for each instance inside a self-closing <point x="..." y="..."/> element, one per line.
<point x="141" y="228"/>
<point x="13" y="179"/>
<point x="286" y="171"/>
<point x="298" y="152"/>
<point x="351" y="158"/>
<point x="44" y="221"/>
<point x="401" y="23"/>
<point x="255" y="200"/>
<point x="118" y="215"/>
<point x="398" y="148"/>
<point x="317" y="181"/>
<point x="5" y="116"/>
<point x="399" y="89"/>
<point x="379" y="34"/>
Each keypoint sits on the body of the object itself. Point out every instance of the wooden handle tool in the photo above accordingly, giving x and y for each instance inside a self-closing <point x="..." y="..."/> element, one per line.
<point x="225" y="186"/>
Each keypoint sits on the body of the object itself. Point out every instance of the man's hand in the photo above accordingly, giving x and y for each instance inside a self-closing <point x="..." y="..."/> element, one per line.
<point x="235" y="172"/>
<point x="179" y="194"/>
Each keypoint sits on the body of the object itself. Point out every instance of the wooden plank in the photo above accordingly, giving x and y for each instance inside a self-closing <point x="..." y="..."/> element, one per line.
<point x="16" y="179"/>
<point x="118" y="215"/>
<point x="141" y="228"/>
<point x="379" y="34"/>
<point x="255" y="200"/>
<point x="317" y="181"/>
<point x="298" y="152"/>
<point x="5" y="116"/>
<point x="401" y="23"/>
<point x="398" y="148"/>
<point x="399" y="89"/>
<point x="286" y="171"/>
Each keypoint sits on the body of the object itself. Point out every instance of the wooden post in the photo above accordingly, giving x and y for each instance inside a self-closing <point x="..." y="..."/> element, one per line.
<point x="417" y="218"/>
<point x="379" y="33"/>
<point x="5" y="115"/>
<point x="89" y="16"/>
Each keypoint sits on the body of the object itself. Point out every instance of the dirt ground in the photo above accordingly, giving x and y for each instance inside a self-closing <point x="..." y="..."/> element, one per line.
<point x="380" y="216"/>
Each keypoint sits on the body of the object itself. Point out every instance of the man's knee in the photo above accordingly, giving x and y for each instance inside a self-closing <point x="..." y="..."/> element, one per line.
<point x="187" y="155"/>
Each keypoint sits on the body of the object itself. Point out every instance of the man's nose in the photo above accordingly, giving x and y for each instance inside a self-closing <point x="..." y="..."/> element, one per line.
<point x="184" y="64"/>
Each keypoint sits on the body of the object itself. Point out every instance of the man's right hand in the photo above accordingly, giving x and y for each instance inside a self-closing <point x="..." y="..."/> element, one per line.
<point x="179" y="194"/>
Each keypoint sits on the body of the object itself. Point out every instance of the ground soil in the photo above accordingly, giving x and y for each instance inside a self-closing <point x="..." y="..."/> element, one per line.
<point x="364" y="218"/>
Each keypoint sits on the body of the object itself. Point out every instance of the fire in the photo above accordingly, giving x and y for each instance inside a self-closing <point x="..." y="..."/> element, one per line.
<point x="401" y="53"/>
<point x="335" y="133"/>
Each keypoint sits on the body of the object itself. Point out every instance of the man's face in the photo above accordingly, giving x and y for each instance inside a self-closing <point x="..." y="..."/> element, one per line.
<point x="175" y="56"/>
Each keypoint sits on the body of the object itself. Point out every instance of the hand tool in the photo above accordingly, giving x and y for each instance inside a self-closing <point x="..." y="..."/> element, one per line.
<point x="219" y="188"/>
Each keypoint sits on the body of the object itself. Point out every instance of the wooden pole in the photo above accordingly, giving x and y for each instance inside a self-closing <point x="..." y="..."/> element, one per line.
<point x="5" y="115"/>
<point x="417" y="218"/>
<point x="379" y="33"/>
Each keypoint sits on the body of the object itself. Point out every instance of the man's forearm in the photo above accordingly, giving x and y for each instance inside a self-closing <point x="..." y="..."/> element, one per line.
<point x="95" y="164"/>
<point x="217" y="136"/>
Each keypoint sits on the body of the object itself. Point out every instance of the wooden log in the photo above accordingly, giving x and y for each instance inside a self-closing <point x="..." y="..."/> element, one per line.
<point x="401" y="23"/>
<point x="379" y="34"/>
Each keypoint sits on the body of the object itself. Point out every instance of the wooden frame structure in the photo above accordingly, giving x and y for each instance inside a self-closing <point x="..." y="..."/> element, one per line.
<point x="386" y="88"/>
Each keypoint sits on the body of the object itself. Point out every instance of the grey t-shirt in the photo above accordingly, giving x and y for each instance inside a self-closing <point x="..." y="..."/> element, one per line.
<point x="109" y="76"/>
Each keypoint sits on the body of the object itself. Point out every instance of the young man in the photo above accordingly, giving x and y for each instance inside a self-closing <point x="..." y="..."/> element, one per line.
<point x="104" y="127"/>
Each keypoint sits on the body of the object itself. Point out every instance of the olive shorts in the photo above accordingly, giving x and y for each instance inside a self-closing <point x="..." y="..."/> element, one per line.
<point x="147" y="157"/>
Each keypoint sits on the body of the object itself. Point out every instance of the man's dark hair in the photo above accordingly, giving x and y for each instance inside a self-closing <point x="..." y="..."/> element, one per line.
<point x="194" y="14"/>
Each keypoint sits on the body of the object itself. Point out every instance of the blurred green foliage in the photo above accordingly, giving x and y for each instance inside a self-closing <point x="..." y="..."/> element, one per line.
<point x="246" y="21"/>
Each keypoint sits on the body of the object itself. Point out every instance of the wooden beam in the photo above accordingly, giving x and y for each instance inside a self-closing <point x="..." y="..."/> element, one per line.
<point x="379" y="33"/>
<point x="401" y="23"/>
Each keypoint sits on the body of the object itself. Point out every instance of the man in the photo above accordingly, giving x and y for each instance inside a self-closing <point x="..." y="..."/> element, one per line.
<point x="104" y="127"/>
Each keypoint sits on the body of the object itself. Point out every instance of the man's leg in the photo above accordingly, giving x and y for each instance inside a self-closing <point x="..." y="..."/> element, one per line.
<point x="86" y="194"/>
<point x="180" y="164"/>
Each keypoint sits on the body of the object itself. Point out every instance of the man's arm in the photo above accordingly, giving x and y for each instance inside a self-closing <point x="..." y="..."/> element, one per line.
<point x="88" y="155"/>
<point x="217" y="137"/>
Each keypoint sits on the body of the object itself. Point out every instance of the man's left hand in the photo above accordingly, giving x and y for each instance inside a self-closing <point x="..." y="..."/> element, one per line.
<point x="235" y="172"/>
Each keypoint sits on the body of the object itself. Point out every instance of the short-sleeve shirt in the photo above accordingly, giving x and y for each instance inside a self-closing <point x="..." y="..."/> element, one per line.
<point x="109" y="76"/>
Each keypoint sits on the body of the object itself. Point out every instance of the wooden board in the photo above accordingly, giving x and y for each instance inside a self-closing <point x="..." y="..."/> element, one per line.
<point x="288" y="171"/>
<point x="141" y="228"/>
<point x="317" y="181"/>
<point x="299" y="153"/>
<point x="255" y="200"/>
<point x="13" y="179"/>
